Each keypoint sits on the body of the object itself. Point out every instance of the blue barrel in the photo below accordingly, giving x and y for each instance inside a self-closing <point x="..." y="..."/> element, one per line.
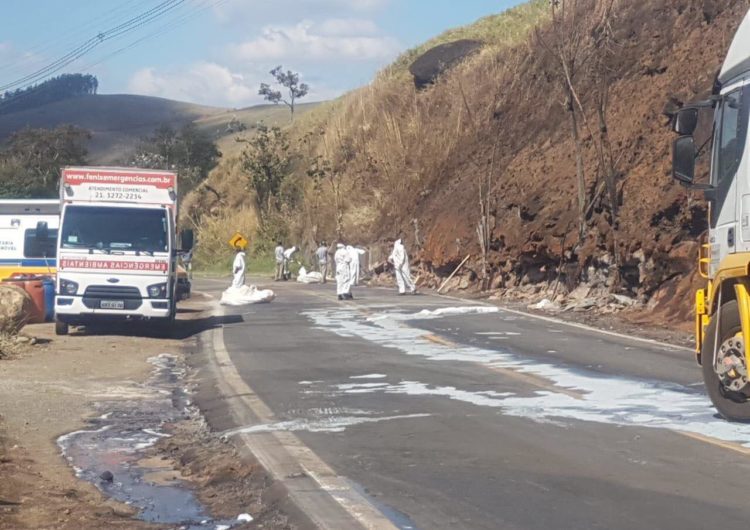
<point x="49" y="299"/>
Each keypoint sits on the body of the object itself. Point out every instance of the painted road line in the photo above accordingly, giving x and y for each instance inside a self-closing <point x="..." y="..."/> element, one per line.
<point x="559" y="321"/>
<point x="327" y="498"/>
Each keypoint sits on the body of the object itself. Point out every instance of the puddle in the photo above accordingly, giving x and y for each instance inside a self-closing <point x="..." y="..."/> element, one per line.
<point x="116" y="442"/>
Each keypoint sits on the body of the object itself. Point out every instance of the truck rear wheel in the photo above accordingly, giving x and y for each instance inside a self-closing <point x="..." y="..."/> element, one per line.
<point x="61" y="328"/>
<point x="726" y="376"/>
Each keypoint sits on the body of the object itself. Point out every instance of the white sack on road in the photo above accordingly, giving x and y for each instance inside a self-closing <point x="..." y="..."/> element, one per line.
<point x="309" y="277"/>
<point x="246" y="295"/>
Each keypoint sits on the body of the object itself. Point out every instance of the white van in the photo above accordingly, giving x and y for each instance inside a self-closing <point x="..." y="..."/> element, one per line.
<point x="28" y="236"/>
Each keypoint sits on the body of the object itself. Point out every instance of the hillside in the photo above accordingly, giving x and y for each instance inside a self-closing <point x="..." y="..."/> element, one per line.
<point x="119" y="121"/>
<point x="414" y="161"/>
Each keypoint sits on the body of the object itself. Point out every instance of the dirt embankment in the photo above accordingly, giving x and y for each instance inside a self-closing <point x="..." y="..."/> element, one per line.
<point x="412" y="160"/>
<point x="106" y="386"/>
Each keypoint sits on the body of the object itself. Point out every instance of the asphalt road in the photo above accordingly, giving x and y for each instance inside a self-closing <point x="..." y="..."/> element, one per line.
<point x="483" y="418"/>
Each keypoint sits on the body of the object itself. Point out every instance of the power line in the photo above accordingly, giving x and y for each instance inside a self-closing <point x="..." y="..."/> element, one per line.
<point x="178" y="22"/>
<point x="130" y="25"/>
<point x="34" y="54"/>
<point x="162" y="30"/>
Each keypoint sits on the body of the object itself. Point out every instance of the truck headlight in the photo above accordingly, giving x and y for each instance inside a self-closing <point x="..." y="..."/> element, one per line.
<point x="68" y="287"/>
<point x="157" y="291"/>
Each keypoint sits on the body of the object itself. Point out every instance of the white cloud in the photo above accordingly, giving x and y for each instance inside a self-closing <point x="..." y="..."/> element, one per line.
<point x="338" y="27"/>
<point x="214" y="84"/>
<point x="202" y="82"/>
<point x="250" y="11"/>
<point x="353" y="39"/>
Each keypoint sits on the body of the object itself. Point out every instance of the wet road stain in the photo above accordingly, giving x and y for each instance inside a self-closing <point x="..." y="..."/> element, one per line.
<point x="111" y="454"/>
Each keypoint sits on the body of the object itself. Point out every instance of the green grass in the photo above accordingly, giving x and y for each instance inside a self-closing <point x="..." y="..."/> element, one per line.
<point x="504" y="29"/>
<point x="264" y="264"/>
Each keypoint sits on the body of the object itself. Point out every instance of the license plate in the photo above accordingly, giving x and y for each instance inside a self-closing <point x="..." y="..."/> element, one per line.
<point x="112" y="304"/>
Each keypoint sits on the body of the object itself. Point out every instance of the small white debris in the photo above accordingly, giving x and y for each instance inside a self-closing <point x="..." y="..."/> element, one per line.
<point x="245" y="518"/>
<point x="455" y="311"/>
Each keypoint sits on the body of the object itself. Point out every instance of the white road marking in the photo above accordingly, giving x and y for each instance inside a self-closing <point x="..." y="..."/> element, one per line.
<point x="561" y="322"/>
<point x="286" y="456"/>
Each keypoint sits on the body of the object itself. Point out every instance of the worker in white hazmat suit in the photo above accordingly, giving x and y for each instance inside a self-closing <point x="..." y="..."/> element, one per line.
<point x="400" y="260"/>
<point x="238" y="269"/>
<point x="342" y="259"/>
<point x="288" y="253"/>
<point x="355" y="254"/>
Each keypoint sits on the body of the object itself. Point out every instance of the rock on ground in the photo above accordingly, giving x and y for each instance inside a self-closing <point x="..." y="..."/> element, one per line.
<point x="15" y="308"/>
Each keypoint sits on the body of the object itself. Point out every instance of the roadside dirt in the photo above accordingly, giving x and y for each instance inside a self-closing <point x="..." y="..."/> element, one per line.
<point x="57" y="387"/>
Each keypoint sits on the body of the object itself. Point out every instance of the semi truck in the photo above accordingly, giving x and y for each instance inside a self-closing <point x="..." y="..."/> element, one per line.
<point x="722" y="307"/>
<point x="28" y="236"/>
<point x="117" y="248"/>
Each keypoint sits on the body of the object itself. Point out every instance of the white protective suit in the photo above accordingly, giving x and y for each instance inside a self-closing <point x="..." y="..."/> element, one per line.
<point x="309" y="277"/>
<point x="288" y="253"/>
<point x="238" y="270"/>
<point x="354" y="253"/>
<point x="400" y="260"/>
<point x="342" y="259"/>
<point x="240" y="294"/>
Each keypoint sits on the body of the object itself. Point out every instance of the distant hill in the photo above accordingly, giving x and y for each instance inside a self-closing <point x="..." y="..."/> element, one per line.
<point x="117" y="121"/>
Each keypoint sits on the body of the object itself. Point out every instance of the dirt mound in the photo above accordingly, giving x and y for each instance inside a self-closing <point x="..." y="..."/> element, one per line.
<point x="438" y="60"/>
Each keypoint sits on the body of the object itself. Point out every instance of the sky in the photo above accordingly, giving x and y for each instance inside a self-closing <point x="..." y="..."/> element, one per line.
<point x="217" y="52"/>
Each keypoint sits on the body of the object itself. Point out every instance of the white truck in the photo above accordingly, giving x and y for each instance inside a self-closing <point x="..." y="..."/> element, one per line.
<point x="117" y="248"/>
<point x="722" y="308"/>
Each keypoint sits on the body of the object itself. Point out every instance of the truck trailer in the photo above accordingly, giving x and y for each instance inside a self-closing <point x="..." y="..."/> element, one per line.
<point x="117" y="247"/>
<point x="722" y="307"/>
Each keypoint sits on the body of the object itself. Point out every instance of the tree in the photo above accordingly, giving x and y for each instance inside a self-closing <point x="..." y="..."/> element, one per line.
<point x="30" y="165"/>
<point x="565" y="45"/>
<point x="322" y="171"/>
<point x="188" y="151"/>
<point x="288" y="80"/>
<point x="268" y="161"/>
<point x="58" y="88"/>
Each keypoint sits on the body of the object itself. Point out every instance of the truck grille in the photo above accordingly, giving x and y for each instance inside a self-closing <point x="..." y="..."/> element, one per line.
<point x="112" y="292"/>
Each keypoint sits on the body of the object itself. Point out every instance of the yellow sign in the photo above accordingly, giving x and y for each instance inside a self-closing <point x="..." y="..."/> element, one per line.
<point x="238" y="241"/>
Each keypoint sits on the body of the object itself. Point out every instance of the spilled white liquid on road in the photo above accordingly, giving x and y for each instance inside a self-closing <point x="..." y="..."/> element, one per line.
<point x="588" y="396"/>
<point x="332" y="424"/>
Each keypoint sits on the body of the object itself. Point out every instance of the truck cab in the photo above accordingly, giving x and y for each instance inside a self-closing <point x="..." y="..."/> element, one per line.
<point x="117" y="249"/>
<point x="723" y="306"/>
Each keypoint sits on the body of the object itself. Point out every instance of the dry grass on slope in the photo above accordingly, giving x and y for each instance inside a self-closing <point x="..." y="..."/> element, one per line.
<point x="405" y="154"/>
<point x="502" y="30"/>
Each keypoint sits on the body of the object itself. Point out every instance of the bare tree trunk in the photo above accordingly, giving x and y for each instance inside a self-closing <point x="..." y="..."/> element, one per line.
<point x="580" y="171"/>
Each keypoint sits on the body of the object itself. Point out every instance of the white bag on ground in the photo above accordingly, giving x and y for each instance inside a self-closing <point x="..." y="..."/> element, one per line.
<point x="309" y="277"/>
<point x="245" y="295"/>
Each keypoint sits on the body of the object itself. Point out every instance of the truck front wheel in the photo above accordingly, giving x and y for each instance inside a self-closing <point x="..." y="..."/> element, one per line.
<point x="61" y="328"/>
<point x="723" y="363"/>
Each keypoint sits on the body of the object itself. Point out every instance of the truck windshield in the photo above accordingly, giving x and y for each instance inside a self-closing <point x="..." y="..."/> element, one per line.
<point x="731" y="135"/>
<point x="115" y="229"/>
